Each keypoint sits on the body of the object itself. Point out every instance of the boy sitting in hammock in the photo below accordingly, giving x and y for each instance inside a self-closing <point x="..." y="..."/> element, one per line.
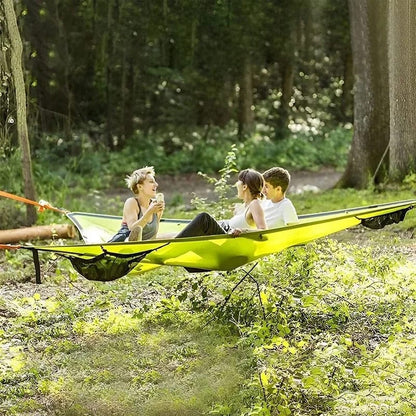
<point x="278" y="209"/>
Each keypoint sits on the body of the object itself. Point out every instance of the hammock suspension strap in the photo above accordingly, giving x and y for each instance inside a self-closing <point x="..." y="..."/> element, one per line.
<point x="37" y="266"/>
<point x="42" y="205"/>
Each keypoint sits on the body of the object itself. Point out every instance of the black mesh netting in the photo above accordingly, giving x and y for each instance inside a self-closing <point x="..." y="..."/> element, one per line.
<point x="386" y="219"/>
<point x="107" y="266"/>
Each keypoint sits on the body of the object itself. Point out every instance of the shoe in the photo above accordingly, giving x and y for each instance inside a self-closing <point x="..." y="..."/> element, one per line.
<point x="136" y="234"/>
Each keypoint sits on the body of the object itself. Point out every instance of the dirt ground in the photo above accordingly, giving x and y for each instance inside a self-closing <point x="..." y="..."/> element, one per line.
<point x="184" y="187"/>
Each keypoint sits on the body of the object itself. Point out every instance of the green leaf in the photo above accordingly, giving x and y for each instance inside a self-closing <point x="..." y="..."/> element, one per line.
<point x="308" y="301"/>
<point x="360" y="372"/>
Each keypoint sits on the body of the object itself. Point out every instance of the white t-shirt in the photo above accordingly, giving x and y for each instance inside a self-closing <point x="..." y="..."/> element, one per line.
<point x="280" y="213"/>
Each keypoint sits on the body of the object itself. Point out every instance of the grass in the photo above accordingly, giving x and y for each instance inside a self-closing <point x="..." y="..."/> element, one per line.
<point x="153" y="371"/>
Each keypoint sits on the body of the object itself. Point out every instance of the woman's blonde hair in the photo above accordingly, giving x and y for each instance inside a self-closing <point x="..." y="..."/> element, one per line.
<point x="138" y="176"/>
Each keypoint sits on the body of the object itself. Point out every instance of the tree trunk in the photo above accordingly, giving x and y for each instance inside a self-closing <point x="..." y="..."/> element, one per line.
<point x="287" y="76"/>
<point x="41" y="232"/>
<point x="307" y="18"/>
<point x="347" y="98"/>
<point x="245" y="100"/>
<point x="371" y="99"/>
<point x="66" y="67"/>
<point x="402" y="66"/>
<point x="4" y="90"/>
<point x="127" y="101"/>
<point x="21" y="115"/>
<point x="164" y="41"/>
<point x="109" y="75"/>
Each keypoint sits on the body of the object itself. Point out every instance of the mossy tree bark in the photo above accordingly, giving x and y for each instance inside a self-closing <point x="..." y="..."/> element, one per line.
<point x="16" y="50"/>
<point x="366" y="162"/>
<point x="402" y="66"/>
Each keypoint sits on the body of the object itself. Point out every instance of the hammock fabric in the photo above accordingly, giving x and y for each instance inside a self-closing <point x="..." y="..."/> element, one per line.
<point x="98" y="260"/>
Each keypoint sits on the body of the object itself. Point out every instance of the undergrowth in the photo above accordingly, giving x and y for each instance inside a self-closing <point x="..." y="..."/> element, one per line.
<point x="329" y="331"/>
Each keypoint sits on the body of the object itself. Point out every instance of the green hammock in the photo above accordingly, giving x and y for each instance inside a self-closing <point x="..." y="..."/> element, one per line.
<point x="98" y="260"/>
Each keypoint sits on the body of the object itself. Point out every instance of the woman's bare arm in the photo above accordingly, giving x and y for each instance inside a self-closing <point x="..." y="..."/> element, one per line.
<point x="257" y="213"/>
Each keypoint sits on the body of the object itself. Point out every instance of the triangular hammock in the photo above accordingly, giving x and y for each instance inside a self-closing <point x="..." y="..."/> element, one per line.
<point x="98" y="260"/>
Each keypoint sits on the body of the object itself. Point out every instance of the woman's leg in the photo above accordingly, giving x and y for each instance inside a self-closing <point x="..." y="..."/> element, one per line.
<point x="121" y="235"/>
<point x="202" y="224"/>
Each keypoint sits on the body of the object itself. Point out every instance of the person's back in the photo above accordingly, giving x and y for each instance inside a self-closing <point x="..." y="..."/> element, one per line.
<point x="278" y="210"/>
<point x="279" y="214"/>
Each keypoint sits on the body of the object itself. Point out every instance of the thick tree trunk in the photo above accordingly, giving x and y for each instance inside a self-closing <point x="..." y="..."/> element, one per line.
<point x="21" y="114"/>
<point x="402" y="66"/>
<point x="371" y="99"/>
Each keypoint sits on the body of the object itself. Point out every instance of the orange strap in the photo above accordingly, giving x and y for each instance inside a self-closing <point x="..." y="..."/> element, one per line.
<point x="42" y="205"/>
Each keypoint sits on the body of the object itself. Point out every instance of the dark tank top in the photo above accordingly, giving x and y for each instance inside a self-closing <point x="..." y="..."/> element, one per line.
<point x="150" y="229"/>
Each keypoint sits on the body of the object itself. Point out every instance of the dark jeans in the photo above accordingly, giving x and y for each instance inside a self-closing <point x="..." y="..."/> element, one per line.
<point x="202" y="224"/>
<point x="121" y="235"/>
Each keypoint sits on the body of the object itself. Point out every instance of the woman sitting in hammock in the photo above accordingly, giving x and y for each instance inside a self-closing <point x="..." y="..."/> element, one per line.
<point x="141" y="213"/>
<point x="248" y="216"/>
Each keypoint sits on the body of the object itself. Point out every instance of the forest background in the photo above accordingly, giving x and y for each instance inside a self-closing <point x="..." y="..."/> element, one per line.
<point x="110" y="86"/>
<point x="116" y="85"/>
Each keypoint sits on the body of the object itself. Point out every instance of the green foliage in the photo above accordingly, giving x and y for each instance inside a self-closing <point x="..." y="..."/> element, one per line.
<point x="298" y="151"/>
<point x="10" y="266"/>
<point x="186" y="151"/>
<point x="222" y="188"/>
<point x="77" y="161"/>
<point x="410" y="180"/>
<point x="325" y="329"/>
<point x="11" y="214"/>
<point x="186" y="68"/>
<point x="11" y="171"/>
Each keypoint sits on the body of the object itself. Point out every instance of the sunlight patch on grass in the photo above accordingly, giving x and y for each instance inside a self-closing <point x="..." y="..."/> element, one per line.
<point x="157" y="372"/>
